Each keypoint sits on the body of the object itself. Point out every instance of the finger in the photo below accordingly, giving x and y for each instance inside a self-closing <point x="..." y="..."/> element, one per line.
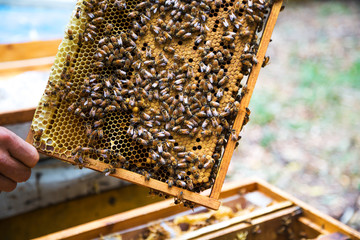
<point x="18" y="148"/>
<point x="6" y="184"/>
<point x="13" y="169"/>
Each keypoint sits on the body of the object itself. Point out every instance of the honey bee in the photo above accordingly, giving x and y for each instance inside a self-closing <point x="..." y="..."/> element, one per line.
<point x="166" y="155"/>
<point x="142" y="141"/>
<point x="103" y="41"/>
<point x="249" y="18"/>
<point x="209" y="164"/>
<point x="225" y="22"/>
<point x="38" y="134"/>
<point x="223" y="81"/>
<point x="143" y="30"/>
<point x="98" y="123"/>
<point x="97" y="20"/>
<point x="91" y="28"/>
<point x="144" y="19"/>
<point x="214" y="104"/>
<point x="78" y="159"/>
<point x="238" y="6"/>
<point x="218" y="130"/>
<point x="209" y="56"/>
<point x="86" y="150"/>
<point x="72" y="107"/>
<point x="77" y="111"/>
<point x="149" y="124"/>
<point x="181" y="184"/>
<point x="70" y="34"/>
<point x="170" y="182"/>
<point x="234" y="135"/>
<point x="245" y="33"/>
<point x="206" y="133"/>
<point x="68" y="60"/>
<point x="216" y="156"/>
<point x="99" y="113"/>
<point x="266" y="61"/>
<point x="160" y="40"/>
<point x="121" y="158"/>
<point x="110" y="108"/>
<point x="78" y="12"/>
<point x="232" y="16"/>
<point x="80" y="39"/>
<point x="225" y="123"/>
<point x="186" y="36"/>
<point x="88" y="4"/>
<point x="109" y="171"/>
<point x="133" y="14"/>
<point x="247" y="63"/>
<point x="228" y="38"/>
<point x="257" y="19"/>
<point x="51" y="104"/>
<point x="132" y="35"/>
<point x="108" y="29"/>
<point x="161" y="161"/>
<point x="147" y="175"/>
<point x="189" y="185"/>
<point x="100" y="133"/>
<point x="93" y="112"/>
<point x="199" y="39"/>
<point x="120" y="4"/>
<point x="121" y="73"/>
<point x="99" y="64"/>
<point x="220" y="93"/>
<point x="88" y="37"/>
<point x="184" y="131"/>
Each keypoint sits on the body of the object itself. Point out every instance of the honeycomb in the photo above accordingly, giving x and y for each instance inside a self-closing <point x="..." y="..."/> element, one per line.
<point x="152" y="87"/>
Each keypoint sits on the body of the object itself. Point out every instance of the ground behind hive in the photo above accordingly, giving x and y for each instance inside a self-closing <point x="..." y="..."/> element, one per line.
<point x="304" y="132"/>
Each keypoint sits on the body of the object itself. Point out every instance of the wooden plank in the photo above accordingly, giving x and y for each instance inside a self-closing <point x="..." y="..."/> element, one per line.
<point x="16" y="67"/>
<point x="154" y="184"/>
<point x="17" y="116"/>
<point x="165" y="208"/>
<point x="218" y="227"/>
<point x="334" y="236"/>
<point x="75" y="212"/>
<point x="229" y="150"/>
<point x="232" y="188"/>
<point x="273" y="220"/>
<point x="138" y="216"/>
<point x="140" y="179"/>
<point x="28" y="50"/>
<point x="270" y="191"/>
<point x="311" y="224"/>
<point x="117" y="222"/>
<point x="328" y="223"/>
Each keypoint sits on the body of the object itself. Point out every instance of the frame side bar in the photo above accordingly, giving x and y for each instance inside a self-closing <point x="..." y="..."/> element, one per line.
<point x="229" y="150"/>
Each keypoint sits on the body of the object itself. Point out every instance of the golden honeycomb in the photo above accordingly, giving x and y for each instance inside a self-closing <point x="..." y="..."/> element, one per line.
<point x="152" y="87"/>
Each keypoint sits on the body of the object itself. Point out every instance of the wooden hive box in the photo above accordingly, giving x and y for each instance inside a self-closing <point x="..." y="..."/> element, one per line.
<point x="277" y="215"/>
<point x="82" y="119"/>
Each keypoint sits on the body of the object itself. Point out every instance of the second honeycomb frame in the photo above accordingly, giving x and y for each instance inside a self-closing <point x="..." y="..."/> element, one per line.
<point x="210" y="201"/>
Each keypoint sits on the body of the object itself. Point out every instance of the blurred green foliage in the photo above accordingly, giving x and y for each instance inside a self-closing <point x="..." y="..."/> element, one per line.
<point x="334" y="7"/>
<point x="267" y="139"/>
<point x="261" y="104"/>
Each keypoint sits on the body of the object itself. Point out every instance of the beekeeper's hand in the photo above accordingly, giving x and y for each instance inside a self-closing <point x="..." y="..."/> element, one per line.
<point x="17" y="157"/>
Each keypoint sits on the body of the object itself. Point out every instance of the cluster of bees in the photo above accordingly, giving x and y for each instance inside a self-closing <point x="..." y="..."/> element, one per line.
<point x="139" y="67"/>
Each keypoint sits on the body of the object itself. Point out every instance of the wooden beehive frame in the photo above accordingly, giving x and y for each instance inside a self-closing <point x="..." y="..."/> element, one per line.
<point x="212" y="200"/>
<point x="284" y="204"/>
